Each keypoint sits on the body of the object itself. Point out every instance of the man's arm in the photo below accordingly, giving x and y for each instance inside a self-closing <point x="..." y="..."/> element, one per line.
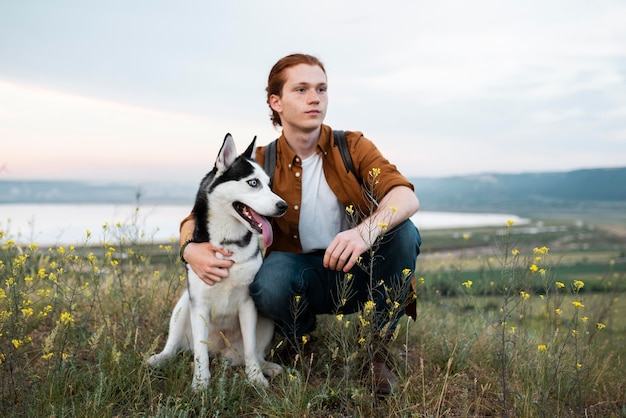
<point x="202" y="256"/>
<point x="398" y="205"/>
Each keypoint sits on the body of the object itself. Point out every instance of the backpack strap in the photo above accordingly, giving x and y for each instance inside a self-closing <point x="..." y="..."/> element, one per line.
<point x="269" y="165"/>
<point x="342" y="144"/>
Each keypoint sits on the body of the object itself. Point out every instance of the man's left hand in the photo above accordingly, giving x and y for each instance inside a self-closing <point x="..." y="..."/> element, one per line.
<point x="344" y="251"/>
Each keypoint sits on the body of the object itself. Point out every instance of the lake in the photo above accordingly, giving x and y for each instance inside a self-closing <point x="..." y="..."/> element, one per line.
<point x="66" y="224"/>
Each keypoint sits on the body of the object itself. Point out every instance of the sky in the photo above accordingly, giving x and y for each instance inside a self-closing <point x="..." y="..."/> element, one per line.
<point x="146" y="90"/>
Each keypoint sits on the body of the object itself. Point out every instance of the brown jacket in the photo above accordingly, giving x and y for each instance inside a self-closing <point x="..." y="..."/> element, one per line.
<point x="288" y="180"/>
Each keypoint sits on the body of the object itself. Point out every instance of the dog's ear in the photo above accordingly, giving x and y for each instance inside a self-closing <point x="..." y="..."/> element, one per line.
<point x="249" y="154"/>
<point x="228" y="154"/>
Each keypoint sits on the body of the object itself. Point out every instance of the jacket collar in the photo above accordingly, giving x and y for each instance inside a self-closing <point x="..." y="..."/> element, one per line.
<point x="324" y="143"/>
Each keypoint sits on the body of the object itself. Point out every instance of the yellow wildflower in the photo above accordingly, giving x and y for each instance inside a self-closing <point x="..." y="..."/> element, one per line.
<point x="515" y="252"/>
<point x="558" y="311"/>
<point x="578" y="304"/>
<point x="600" y="325"/>
<point x="542" y="347"/>
<point x="578" y="284"/>
<point x="534" y="268"/>
<point x="66" y="318"/>
<point x="559" y="284"/>
<point x="468" y="283"/>
<point x="510" y="222"/>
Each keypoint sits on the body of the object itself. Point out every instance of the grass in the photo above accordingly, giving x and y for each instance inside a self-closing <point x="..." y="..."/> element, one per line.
<point x="494" y="336"/>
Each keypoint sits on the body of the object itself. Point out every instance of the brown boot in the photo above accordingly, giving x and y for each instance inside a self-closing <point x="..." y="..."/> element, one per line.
<point x="385" y="380"/>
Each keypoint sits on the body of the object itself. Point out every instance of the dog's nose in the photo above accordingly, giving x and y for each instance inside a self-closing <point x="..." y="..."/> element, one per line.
<point x="281" y="206"/>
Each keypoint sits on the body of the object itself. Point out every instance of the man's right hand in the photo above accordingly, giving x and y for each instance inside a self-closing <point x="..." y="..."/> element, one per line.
<point x="210" y="263"/>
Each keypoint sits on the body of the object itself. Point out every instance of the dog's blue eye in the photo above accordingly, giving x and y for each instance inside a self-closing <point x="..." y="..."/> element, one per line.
<point x="253" y="183"/>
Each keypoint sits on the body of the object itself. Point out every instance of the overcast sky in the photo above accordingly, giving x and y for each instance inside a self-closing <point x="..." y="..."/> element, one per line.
<point x="146" y="90"/>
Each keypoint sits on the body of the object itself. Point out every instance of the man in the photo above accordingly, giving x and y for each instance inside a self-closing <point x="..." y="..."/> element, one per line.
<point x="314" y="247"/>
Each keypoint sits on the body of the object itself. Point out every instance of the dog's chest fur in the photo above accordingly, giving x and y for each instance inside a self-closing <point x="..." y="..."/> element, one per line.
<point x="225" y="297"/>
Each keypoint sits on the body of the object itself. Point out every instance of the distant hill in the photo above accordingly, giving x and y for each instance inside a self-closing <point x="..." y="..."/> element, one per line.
<point x="522" y="194"/>
<point x="44" y="191"/>
<point x="526" y="193"/>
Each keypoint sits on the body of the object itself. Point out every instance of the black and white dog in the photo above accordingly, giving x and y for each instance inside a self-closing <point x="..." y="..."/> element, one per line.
<point x="230" y="212"/>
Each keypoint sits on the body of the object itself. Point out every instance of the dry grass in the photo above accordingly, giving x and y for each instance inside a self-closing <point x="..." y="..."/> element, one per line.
<point x="77" y="325"/>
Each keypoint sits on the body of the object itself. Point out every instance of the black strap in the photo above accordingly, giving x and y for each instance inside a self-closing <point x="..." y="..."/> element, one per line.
<point x="340" y="141"/>
<point x="269" y="164"/>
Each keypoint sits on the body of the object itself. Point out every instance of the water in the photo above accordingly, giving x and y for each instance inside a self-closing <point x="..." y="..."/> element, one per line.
<point x="67" y="224"/>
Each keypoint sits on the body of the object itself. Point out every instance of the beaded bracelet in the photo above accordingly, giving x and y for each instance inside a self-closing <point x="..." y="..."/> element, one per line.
<point x="182" y="250"/>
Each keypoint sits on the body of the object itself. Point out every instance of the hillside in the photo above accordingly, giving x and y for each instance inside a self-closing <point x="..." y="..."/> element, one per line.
<point x="43" y="191"/>
<point x="524" y="194"/>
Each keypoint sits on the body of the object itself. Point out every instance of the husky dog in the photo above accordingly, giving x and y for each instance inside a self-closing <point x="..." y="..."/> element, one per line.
<point x="230" y="209"/>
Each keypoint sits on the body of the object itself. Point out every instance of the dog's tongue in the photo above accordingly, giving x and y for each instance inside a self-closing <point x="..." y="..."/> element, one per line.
<point x="268" y="234"/>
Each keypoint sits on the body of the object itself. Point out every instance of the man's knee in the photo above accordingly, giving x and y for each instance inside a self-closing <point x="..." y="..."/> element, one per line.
<point x="271" y="284"/>
<point x="403" y="242"/>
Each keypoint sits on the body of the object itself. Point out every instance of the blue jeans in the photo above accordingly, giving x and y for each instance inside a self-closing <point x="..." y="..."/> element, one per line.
<point x="293" y="288"/>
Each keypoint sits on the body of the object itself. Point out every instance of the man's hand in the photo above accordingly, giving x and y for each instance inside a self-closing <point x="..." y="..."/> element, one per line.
<point x="208" y="261"/>
<point x="344" y="250"/>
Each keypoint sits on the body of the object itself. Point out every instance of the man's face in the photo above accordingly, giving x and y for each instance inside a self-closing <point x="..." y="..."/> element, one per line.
<point x="303" y="103"/>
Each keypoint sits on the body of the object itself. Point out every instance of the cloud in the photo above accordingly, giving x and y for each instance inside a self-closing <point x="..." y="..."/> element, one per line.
<point x="53" y="134"/>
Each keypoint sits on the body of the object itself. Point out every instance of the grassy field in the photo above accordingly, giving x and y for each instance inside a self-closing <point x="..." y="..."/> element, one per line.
<point x="517" y="321"/>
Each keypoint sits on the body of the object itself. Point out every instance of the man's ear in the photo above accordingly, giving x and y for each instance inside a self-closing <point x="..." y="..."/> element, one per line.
<point x="275" y="103"/>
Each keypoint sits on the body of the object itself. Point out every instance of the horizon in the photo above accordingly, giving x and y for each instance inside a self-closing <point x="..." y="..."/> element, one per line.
<point x="187" y="181"/>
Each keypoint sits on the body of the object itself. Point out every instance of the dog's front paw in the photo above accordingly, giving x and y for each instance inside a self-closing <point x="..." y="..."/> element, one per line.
<point x="154" y="361"/>
<point x="259" y="379"/>
<point x="198" y="385"/>
<point x="271" y="369"/>
<point x="255" y="375"/>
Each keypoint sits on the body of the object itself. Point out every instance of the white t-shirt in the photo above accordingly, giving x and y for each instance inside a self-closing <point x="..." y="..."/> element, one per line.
<point x="322" y="216"/>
